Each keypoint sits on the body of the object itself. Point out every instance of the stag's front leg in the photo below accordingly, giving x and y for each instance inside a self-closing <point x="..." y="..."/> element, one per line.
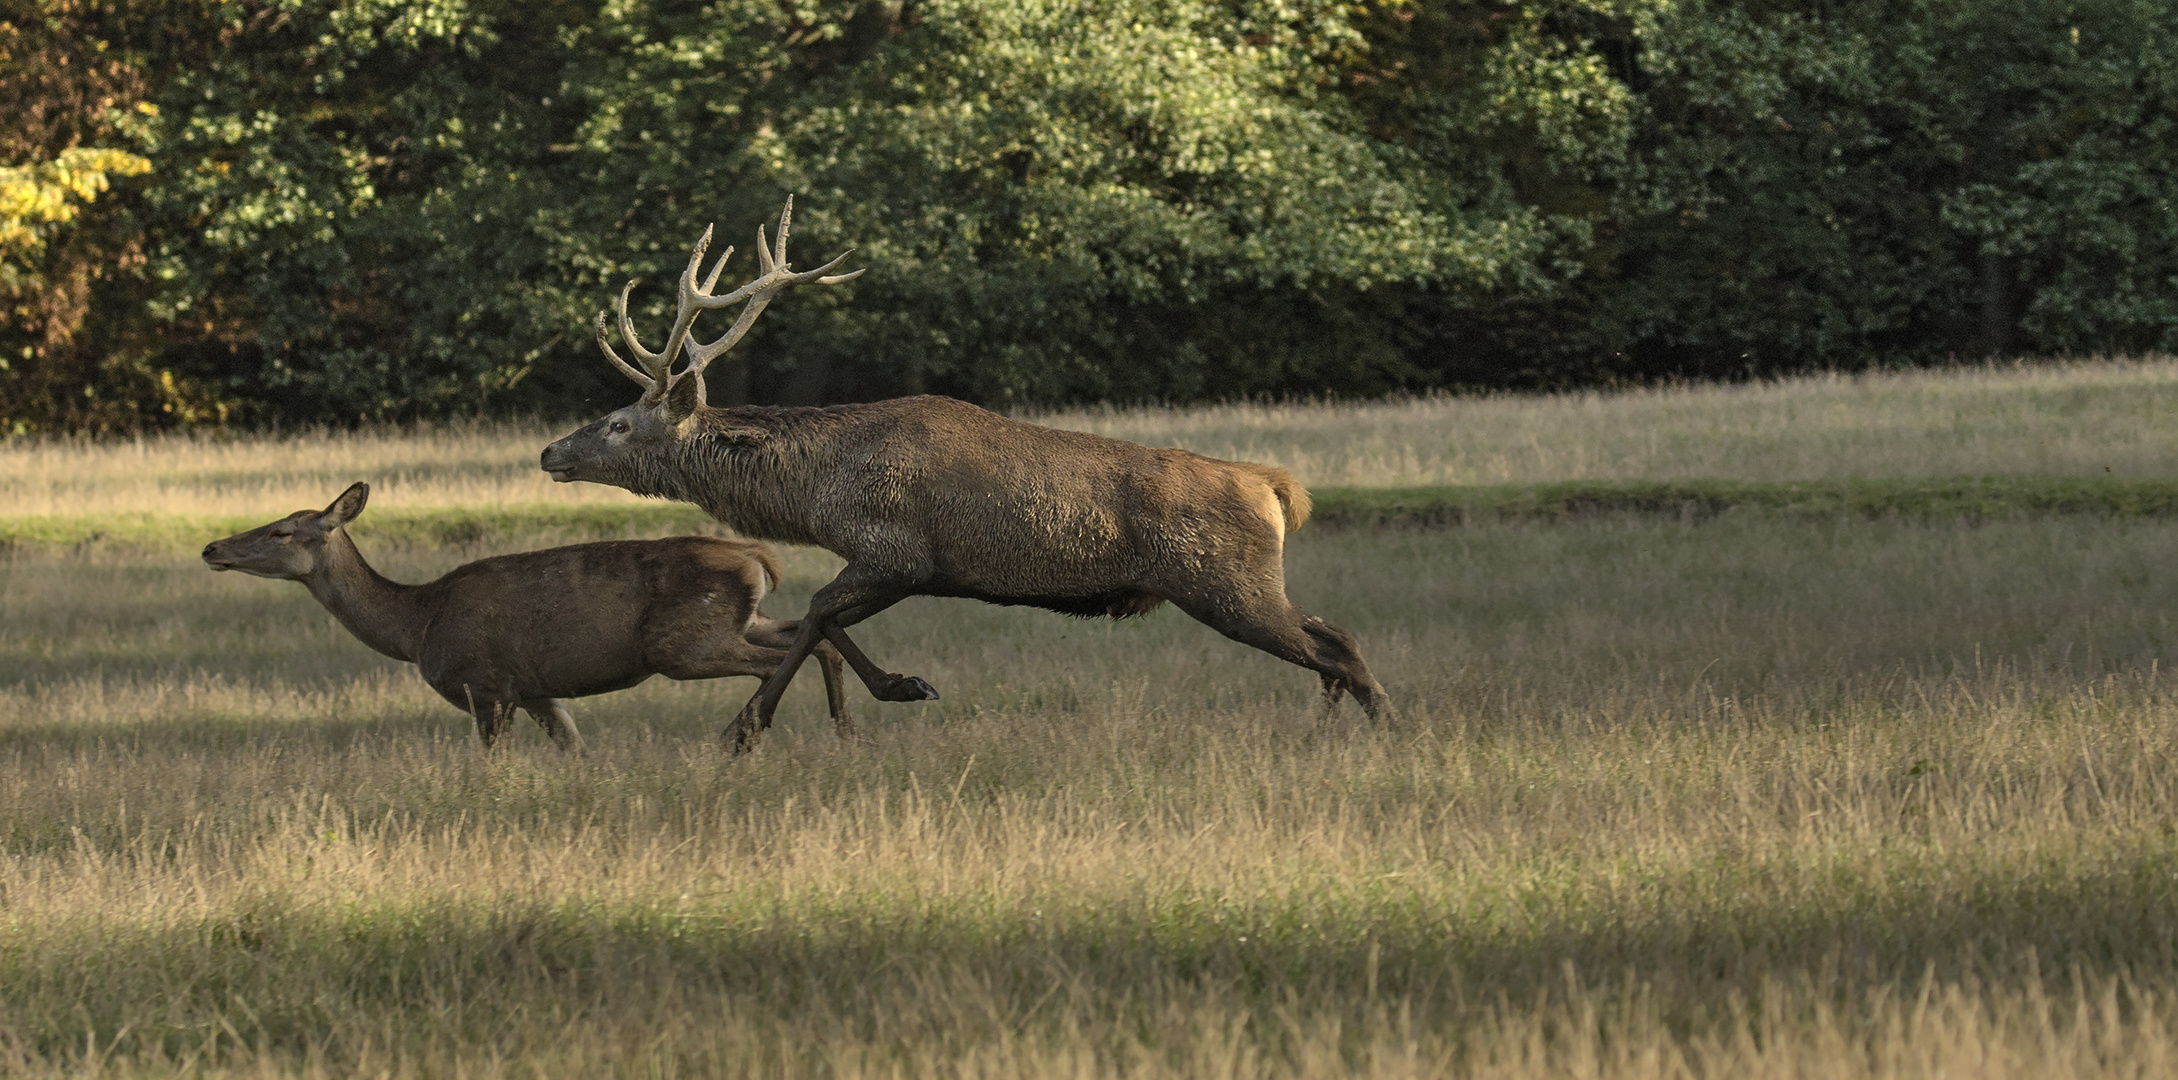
<point x="780" y="635"/>
<point x="491" y="718"/>
<point x="849" y="592"/>
<point x="883" y="685"/>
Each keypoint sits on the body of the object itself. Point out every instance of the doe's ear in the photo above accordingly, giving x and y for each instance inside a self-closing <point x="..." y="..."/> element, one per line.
<point x="345" y="508"/>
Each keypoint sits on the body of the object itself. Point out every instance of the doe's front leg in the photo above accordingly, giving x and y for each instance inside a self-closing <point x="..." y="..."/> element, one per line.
<point x="491" y="716"/>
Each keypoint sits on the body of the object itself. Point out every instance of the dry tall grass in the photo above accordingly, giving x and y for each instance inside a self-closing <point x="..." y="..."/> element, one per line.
<point x="1742" y="798"/>
<point x="2042" y="420"/>
<point x="2072" y="419"/>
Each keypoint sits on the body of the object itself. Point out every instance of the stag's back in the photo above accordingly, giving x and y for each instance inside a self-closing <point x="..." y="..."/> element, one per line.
<point x="1002" y="509"/>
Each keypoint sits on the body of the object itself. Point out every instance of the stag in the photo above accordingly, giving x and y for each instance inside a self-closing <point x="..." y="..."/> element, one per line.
<point x="528" y="629"/>
<point x="927" y="496"/>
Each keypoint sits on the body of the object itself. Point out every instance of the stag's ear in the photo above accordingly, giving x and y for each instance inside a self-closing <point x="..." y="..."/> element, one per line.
<point x="684" y="398"/>
<point x="345" y="508"/>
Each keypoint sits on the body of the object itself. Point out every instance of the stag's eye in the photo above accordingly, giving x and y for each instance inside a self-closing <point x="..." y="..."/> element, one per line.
<point x="620" y="427"/>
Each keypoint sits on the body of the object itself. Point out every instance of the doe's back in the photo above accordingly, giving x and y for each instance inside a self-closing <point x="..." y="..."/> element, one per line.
<point x="582" y="619"/>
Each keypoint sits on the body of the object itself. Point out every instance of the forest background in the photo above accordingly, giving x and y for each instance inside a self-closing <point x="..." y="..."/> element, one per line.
<point x="270" y="212"/>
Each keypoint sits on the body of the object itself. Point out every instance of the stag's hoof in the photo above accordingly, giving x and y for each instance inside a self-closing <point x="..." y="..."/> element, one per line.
<point x="911" y="688"/>
<point x="740" y="736"/>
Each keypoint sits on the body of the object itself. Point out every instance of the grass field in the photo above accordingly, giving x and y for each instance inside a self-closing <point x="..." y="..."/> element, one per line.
<point x="1758" y="793"/>
<point x="2075" y="420"/>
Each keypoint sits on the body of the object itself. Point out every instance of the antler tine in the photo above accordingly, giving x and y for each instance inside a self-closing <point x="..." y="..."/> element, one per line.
<point x="760" y="293"/>
<point x="700" y="355"/>
<point x="627" y="332"/>
<point x="819" y="274"/>
<point x="689" y="288"/>
<point x="772" y="277"/>
<point x="786" y="214"/>
<point x="645" y="381"/>
<point x="695" y="257"/>
<point x="717" y="268"/>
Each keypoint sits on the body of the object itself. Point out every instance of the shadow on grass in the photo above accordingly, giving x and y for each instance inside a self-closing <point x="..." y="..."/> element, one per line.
<point x="308" y="975"/>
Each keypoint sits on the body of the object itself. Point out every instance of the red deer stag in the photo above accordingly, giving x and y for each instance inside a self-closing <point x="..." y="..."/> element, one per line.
<point x="528" y="629"/>
<point x="927" y="496"/>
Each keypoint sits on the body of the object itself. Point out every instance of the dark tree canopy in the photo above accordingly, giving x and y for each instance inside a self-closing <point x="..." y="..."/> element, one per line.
<point x="318" y="211"/>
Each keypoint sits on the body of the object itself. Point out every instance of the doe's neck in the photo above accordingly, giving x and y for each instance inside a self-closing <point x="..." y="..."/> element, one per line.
<point x="382" y="614"/>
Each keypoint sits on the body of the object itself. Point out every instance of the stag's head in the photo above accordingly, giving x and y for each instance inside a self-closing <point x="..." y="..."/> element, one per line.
<point x="290" y="548"/>
<point x="618" y="447"/>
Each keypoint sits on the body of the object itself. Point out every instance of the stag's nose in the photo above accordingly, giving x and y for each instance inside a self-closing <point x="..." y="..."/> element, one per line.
<point x="544" y="461"/>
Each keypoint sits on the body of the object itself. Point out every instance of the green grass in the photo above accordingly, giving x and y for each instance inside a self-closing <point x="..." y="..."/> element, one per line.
<point x="2072" y="421"/>
<point x="1937" y="499"/>
<point x="1977" y="498"/>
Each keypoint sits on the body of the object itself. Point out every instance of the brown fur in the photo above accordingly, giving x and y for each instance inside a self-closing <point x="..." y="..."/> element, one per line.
<point x="927" y="496"/>
<point x="931" y="496"/>
<point x="527" y="629"/>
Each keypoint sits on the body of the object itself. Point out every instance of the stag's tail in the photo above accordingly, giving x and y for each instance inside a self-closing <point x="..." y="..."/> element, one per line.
<point x="1292" y="497"/>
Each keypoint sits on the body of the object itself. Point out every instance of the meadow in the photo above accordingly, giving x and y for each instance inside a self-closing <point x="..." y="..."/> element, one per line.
<point x="1751" y="793"/>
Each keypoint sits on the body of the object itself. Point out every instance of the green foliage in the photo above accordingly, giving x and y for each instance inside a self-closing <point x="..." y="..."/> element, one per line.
<point x="1870" y="182"/>
<point x="415" y="208"/>
<point x="395" y="208"/>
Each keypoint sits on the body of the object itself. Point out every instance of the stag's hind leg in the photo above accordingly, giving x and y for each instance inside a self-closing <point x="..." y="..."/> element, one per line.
<point x="723" y="656"/>
<point x="557" y="722"/>
<point x="1290" y="634"/>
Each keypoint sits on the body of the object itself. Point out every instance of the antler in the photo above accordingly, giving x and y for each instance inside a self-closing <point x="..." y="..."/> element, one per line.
<point x="657" y="376"/>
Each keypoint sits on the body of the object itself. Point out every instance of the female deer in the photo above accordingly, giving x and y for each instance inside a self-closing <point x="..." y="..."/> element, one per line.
<point x="525" y="630"/>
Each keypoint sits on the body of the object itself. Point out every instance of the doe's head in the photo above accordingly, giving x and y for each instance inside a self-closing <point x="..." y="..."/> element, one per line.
<point x="292" y="547"/>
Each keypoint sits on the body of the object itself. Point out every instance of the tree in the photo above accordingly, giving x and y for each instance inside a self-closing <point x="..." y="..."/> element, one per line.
<point x="71" y="342"/>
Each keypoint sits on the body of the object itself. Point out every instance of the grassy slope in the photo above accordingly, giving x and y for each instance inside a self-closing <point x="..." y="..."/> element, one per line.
<point x="2072" y="422"/>
<point x="1744" y="797"/>
<point x="1966" y="498"/>
<point x="1874" y="780"/>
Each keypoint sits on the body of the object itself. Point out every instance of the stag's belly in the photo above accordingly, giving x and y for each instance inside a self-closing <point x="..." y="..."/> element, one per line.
<point x="1066" y="522"/>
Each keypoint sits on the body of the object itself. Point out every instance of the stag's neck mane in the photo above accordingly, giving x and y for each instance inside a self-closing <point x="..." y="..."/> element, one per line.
<point x="760" y="468"/>
<point x="385" y="615"/>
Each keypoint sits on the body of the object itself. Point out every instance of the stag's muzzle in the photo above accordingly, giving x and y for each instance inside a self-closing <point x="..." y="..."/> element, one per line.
<point x="554" y="461"/>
